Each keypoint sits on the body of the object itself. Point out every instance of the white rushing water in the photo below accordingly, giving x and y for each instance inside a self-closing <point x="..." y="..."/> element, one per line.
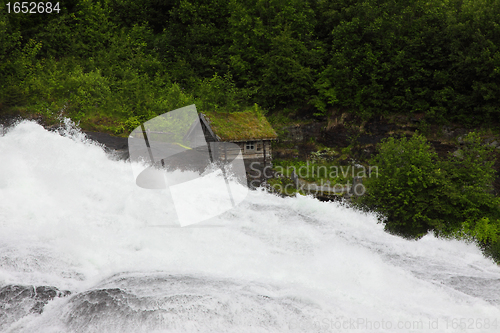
<point x="72" y="218"/>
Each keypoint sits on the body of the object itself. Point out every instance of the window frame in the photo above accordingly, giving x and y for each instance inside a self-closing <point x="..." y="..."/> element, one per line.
<point x="250" y="143"/>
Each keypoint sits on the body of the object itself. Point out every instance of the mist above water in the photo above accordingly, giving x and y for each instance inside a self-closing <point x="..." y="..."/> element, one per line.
<point x="73" y="218"/>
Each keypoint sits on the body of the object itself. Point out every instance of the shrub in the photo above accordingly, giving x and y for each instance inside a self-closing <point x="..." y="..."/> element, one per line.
<point x="407" y="186"/>
<point x="416" y="192"/>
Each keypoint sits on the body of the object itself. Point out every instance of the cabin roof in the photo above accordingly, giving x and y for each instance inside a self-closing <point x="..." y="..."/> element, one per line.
<point x="240" y="126"/>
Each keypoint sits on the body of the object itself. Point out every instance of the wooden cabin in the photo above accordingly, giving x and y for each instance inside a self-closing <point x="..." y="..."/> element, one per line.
<point x="250" y="131"/>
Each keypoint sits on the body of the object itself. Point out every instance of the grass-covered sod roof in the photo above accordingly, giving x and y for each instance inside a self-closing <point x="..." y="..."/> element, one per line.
<point x="241" y="126"/>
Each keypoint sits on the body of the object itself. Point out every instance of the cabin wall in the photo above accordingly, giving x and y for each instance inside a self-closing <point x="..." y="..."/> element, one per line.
<point x="258" y="163"/>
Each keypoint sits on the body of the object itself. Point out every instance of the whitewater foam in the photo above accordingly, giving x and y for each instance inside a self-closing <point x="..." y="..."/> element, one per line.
<point x="73" y="218"/>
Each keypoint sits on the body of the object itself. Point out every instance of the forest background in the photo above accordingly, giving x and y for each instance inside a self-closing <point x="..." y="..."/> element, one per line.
<point x="112" y="64"/>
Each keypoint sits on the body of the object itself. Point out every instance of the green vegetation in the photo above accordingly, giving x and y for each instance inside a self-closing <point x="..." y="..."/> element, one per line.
<point x="319" y="172"/>
<point x="283" y="186"/>
<point x="417" y="192"/>
<point x="436" y="57"/>
<point x="245" y="125"/>
<point x="111" y="64"/>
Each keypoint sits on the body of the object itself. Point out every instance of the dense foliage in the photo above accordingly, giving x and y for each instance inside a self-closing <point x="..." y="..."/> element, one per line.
<point x="416" y="192"/>
<point x="438" y="57"/>
<point x="113" y="63"/>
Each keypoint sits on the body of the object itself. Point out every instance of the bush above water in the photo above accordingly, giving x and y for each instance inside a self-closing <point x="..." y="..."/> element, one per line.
<point x="417" y="192"/>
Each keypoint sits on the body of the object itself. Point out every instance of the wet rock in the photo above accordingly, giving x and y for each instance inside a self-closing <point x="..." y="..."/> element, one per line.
<point x="417" y="118"/>
<point x="337" y="136"/>
<point x="111" y="142"/>
<point x="442" y="149"/>
<point x="17" y="301"/>
<point x="341" y="134"/>
<point x="115" y="146"/>
<point x="285" y="153"/>
<point x="292" y="133"/>
<point x="8" y="120"/>
<point x="306" y="149"/>
<point x="365" y="139"/>
<point x="447" y="132"/>
<point x="301" y="133"/>
<point x="160" y="302"/>
<point x="379" y="128"/>
<point x="119" y="155"/>
<point x="458" y="153"/>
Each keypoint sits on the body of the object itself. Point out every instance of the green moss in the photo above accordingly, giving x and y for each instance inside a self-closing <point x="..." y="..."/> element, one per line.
<point x="283" y="186"/>
<point x="245" y="125"/>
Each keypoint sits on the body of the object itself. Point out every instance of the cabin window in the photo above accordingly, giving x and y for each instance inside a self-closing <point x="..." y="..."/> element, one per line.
<point x="249" y="146"/>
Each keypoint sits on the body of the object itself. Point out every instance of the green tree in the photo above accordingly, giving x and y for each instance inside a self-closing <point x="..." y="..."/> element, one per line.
<point x="471" y="172"/>
<point x="384" y="56"/>
<point x="408" y="187"/>
<point x="10" y="40"/>
<point x="194" y="43"/>
<point x="441" y="58"/>
<point x="273" y="51"/>
<point x="416" y="192"/>
<point x="474" y="57"/>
